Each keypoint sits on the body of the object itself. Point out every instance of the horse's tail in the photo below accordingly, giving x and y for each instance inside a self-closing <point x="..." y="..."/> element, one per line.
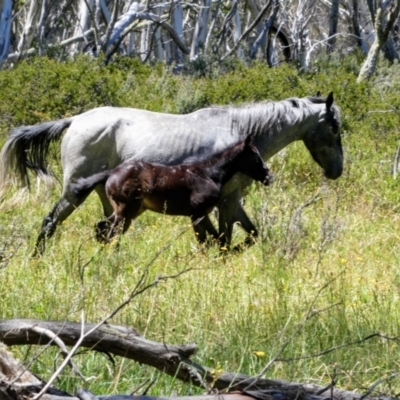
<point x="83" y="186"/>
<point x="27" y="148"/>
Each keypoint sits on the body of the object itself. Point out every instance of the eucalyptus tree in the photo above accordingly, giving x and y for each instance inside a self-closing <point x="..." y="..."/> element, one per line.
<point x="386" y="14"/>
<point x="176" y="31"/>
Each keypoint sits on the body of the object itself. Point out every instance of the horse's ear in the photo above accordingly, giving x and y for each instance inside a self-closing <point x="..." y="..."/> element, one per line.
<point x="329" y="101"/>
<point x="318" y="94"/>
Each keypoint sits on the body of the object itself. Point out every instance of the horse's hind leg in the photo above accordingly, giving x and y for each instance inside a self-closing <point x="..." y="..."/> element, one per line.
<point x="61" y="211"/>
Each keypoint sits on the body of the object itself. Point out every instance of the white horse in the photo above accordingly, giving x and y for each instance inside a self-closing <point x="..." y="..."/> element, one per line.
<point x="104" y="137"/>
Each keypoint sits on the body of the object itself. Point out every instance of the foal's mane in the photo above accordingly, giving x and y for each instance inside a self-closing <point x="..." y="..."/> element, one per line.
<point x="256" y="118"/>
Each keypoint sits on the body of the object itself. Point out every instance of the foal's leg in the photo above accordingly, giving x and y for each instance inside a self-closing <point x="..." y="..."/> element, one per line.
<point x="102" y="227"/>
<point x="107" y="207"/>
<point x="61" y="211"/>
<point x="123" y="216"/>
<point x="203" y="226"/>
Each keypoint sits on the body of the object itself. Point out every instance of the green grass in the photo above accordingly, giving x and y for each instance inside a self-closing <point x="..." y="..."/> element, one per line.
<point x="338" y="257"/>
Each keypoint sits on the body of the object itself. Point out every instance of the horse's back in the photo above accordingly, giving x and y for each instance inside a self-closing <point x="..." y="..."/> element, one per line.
<point x="104" y="137"/>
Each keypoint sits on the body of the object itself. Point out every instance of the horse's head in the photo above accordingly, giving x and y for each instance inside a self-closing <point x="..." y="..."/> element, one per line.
<point x="323" y="139"/>
<point x="252" y="164"/>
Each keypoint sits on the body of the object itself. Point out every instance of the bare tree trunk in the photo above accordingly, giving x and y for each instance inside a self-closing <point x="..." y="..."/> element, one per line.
<point x="200" y="32"/>
<point x="41" y="27"/>
<point x="145" y="42"/>
<point x="5" y="28"/>
<point x="333" y="23"/>
<point x="267" y="26"/>
<point x="382" y="30"/>
<point x="237" y="33"/>
<point x="357" y="26"/>
<point x="177" y="24"/>
<point x="30" y="26"/>
<point x="86" y="7"/>
<point x="158" y="49"/>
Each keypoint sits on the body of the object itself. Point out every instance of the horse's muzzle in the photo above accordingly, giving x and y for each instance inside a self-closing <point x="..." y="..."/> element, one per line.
<point x="334" y="173"/>
<point x="269" y="179"/>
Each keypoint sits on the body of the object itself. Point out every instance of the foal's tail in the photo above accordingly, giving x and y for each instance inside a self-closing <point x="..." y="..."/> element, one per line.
<point x="27" y="148"/>
<point x="84" y="186"/>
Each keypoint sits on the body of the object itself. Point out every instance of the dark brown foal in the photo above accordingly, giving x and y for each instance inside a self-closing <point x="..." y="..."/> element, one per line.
<point x="192" y="189"/>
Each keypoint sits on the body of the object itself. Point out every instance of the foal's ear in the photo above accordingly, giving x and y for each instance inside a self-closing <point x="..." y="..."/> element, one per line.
<point x="329" y="101"/>
<point x="318" y="94"/>
<point x="249" y="139"/>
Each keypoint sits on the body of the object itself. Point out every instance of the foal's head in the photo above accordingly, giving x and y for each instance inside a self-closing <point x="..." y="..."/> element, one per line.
<point x="250" y="163"/>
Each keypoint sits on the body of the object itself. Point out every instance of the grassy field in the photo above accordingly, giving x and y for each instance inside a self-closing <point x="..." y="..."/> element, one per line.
<point x="329" y="248"/>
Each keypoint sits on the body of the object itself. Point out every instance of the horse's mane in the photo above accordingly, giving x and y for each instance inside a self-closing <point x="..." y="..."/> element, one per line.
<point x="258" y="117"/>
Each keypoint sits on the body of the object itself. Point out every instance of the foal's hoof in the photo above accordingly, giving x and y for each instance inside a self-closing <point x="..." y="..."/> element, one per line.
<point x="102" y="229"/>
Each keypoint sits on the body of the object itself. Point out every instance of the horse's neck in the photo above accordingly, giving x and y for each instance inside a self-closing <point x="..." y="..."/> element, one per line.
<point x="282" y="126"/>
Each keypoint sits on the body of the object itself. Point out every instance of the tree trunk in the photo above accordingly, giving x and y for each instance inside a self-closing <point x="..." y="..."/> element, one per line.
<point x="200" y="32"/>
<point x="177" y="24"/>
<point x="5" y="28"/>
<point x="86" y="8"/>
<point x="357" y="26"/>
<point x="31" y="24"/>
<point x="382" y="30"/>
<point x="333" y="23"/>
<point x="262" y="37"/>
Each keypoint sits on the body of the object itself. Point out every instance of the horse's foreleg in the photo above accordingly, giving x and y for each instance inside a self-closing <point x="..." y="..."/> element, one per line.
<point x="247" y="225"/>
<point x="231" y="211"/>
<point x="227" y="207"/>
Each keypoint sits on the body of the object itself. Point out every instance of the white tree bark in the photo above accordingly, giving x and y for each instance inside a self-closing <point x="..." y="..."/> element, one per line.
<point x="124" y="21"/>
<point x="238" y="32"/>
<point x="200" y="32"/>
<point x="145" y="42"/>
<point x="84" y="22"/>
<point x="333" y="23"/>
<point x="5" y="28"/>
<point x="267" y="26"/>
<point x="177" y="24"/>
<point x="383" y="26"/>
<point x="31" y="24"/>
<point x="40" y="29"/>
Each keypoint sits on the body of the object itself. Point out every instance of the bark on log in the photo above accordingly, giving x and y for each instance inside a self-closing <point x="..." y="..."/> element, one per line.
<point x="171" y="359"/>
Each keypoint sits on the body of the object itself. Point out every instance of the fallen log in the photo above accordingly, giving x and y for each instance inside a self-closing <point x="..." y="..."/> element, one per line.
<point x="171" y="359"/>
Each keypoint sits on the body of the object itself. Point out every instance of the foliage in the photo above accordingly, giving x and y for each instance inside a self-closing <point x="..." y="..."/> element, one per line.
<point x="331" y="246"/>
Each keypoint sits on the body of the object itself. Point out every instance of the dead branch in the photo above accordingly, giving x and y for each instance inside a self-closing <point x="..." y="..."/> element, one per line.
<point x="171" y="359"/>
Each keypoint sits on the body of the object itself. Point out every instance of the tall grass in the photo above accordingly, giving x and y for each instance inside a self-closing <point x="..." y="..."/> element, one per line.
<point x="327" y="250"/>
